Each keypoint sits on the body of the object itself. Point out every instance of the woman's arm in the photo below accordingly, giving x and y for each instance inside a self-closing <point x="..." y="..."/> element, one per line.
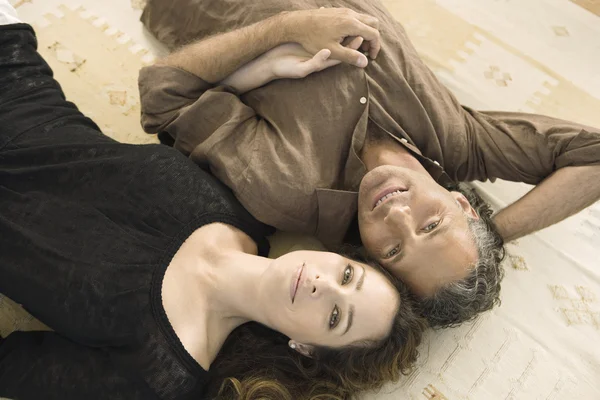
<point x="45" y="365"/>
<point x="288" y="60"/>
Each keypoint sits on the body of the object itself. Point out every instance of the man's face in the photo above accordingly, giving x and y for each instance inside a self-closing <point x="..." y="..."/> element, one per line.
<point x="416" y="228"/>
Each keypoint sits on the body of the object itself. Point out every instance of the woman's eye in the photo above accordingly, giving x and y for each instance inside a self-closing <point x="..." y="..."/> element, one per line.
<point x="348" y="274"/>
<point x="431" y="226"/>
<point x="335" y="317"/>
<point x="392" y="253"/>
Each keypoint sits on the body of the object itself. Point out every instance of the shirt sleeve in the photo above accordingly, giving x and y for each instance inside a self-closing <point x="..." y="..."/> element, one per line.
<point x="525" y="147"/>
<point x="189" y="109"/>
<point x="29" y="96"/>
<point x="45" y="365"/>
<point x="215" y="128"/>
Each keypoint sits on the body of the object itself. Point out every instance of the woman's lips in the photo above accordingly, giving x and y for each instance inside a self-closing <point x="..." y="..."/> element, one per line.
<point x="296" y="282"/>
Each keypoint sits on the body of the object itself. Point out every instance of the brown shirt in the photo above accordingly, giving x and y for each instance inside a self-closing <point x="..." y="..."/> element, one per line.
<point x="289" y="149"/>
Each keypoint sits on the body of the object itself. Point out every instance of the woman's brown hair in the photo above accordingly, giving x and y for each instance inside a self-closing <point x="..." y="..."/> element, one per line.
<point x="257" y="363"/>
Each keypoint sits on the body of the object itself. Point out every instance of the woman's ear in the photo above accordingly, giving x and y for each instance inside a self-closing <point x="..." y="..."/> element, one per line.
<point x="464" y="204"/>
<point x="304" y="349"/>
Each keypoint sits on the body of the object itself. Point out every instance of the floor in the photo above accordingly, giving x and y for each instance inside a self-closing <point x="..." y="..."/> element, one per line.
<point x="537" y="56"/>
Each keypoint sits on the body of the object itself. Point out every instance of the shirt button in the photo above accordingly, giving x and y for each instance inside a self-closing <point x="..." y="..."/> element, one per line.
<point x="363" y="100"/>
<point x="404" y="141"/>
<point x="436" y="163"/>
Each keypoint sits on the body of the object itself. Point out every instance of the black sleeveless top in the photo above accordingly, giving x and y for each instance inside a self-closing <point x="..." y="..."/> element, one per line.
<point x="88" y="227"/>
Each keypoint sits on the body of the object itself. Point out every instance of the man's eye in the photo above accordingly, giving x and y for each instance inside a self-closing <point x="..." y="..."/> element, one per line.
<point x="335" y="317"/>
<point x="392" y="253"/>
<point x="431" y="226"/>
<point x="348" y="274"/>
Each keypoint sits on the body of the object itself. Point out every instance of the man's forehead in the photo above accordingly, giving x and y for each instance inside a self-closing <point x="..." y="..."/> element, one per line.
<point x="444" y="259"/>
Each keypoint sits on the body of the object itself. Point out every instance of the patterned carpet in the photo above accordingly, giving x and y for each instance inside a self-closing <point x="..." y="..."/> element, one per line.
<point x="539" y="56"/>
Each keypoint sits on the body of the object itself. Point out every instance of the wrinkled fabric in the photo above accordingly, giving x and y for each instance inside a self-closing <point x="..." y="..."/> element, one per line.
<point x="289" y="150"/>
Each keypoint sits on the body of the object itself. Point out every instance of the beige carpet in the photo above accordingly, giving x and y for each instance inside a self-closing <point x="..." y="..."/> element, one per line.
<point x="538" y="56"/>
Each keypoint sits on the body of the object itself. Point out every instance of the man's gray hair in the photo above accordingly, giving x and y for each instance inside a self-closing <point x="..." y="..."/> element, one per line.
<point x="463" y="300"/>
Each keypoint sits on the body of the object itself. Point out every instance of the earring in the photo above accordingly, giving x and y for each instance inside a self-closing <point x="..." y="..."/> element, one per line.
<point x="293" y="346"/>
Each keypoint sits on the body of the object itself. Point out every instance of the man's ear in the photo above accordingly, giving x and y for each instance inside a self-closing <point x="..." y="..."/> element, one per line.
<point x="464" y="204"/>
<point x="304" y="349"/>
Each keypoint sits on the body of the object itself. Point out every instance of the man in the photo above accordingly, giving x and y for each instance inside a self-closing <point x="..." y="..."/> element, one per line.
<point x="386" y="142"/>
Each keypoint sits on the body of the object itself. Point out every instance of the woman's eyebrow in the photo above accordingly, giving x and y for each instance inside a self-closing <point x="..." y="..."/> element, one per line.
<point x="350" y="318"/>
<point x="359" y="285"/>
<point x="361" y="279"/>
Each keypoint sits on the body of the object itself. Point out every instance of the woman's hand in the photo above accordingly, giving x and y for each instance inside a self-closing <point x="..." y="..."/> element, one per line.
<point x="290" y="60"/>
<point x="326" y="28"/>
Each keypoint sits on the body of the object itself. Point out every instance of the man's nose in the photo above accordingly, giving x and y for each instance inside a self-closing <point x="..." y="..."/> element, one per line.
<point x="399" y="216"/>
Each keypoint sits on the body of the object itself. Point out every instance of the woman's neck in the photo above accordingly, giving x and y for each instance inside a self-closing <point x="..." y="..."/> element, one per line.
<point x="210" y="288"/>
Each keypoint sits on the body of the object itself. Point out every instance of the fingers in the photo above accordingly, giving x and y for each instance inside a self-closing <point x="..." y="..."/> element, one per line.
<point x="370" y="35"/>
<point x="365" y="46"/>
<point x="319" y="62"/>
<point x="368" y="20"/>
<point x="332" y="24"/>
<point x="322" y="55"/>
<point x="355" y="43"/>
<point x="349" y="56"/>
<point x="372" y="26"/>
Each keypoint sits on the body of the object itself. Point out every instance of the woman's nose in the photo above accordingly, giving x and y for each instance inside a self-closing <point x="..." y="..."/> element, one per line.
<point x="320" y="286"/>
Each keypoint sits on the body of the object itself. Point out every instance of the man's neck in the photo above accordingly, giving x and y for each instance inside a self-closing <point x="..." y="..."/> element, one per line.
<point x="387" y="151"/>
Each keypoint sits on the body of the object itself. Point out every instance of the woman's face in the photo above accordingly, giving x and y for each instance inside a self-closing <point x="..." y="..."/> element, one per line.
<point x="324" y="299"/>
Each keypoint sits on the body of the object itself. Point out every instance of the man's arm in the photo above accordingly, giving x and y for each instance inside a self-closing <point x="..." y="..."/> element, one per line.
<point x="215" y="58"/>
<point x="561" y="158"/>
<point x="564" y="193"/>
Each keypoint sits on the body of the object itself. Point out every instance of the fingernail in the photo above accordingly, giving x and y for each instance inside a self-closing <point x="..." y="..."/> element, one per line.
<point x="362" y="62"/>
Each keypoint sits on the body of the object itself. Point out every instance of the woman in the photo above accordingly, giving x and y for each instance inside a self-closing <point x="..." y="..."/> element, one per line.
<point x="150" y="272"/>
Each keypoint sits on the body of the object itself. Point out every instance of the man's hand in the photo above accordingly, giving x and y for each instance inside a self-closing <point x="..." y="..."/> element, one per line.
<point x="326" y="28"/>
<point x="215" y="58"/>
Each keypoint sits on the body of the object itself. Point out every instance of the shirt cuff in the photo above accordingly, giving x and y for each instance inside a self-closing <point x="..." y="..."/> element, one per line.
<point x="8" y="15"/>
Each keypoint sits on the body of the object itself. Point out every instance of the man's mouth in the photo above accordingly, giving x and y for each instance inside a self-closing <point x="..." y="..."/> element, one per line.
<point x="386" y="194"/>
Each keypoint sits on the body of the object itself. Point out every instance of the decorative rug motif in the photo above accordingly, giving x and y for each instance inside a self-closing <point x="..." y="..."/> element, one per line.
<point x="538" y="56"/>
